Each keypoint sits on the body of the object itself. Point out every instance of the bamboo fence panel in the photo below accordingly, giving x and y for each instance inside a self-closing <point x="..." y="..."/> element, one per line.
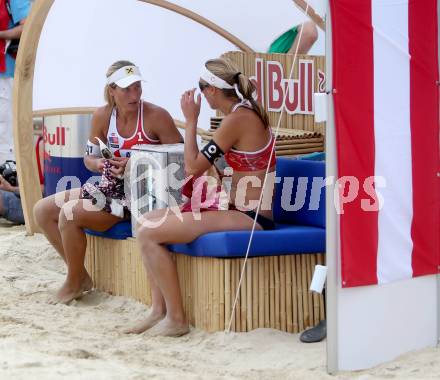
<point x="255" y="291"/>
<point x="274" y="290"/>
<point x="283" y="324"/>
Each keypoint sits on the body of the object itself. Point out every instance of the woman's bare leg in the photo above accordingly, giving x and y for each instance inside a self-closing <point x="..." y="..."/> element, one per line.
<point x="158" y="259"/>
<point x="73" y="218"/>
<point x="46" y="213"/>
<point x="158" y="307"/>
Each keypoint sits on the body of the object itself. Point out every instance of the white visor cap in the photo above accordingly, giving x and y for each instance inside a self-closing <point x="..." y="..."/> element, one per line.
<point x="214" y="80"/>
<point x="125" y="76"/>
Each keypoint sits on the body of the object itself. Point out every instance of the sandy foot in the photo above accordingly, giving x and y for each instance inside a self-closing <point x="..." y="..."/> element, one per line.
<point x="67" y="293"/>
<point x="144" y="325"/>
<point x="169" y="328"/>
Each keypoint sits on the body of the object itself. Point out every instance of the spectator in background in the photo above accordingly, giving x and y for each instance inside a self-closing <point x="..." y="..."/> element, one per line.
<point x="10" y="202"/>
<point x="13" y="14"/>
<point x="288" y="42"/>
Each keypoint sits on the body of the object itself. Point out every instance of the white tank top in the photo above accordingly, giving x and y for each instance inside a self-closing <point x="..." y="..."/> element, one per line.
<point x="121" y="146"/>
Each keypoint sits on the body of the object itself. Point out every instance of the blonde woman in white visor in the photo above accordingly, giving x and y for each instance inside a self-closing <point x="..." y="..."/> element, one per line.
<point x="125" y="120"/>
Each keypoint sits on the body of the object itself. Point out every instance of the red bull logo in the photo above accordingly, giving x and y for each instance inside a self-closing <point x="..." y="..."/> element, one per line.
<point x="295" y="94"/>
<point x="46" y="156"/>
<point x="58" y="137"/>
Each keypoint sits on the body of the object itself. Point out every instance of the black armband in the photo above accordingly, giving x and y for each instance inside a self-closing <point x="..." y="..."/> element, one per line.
<point x="212" y="151"/>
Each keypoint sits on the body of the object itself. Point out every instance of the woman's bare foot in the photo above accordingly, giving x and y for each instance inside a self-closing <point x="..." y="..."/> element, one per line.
<point x="68" y="292"/>
<point x="167" y="327"/>
<point x="152" y="319"/>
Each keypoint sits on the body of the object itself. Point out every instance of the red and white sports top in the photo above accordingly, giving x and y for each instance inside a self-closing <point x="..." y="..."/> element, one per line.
<point x="251" y="161"/>
<point x="121" y="146"/>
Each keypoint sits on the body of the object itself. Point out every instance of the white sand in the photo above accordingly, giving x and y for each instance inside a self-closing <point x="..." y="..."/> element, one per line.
<point x="83" y="340"/>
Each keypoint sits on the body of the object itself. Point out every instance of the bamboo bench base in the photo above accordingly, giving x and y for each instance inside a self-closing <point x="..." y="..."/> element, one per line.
<point x="274" y="291"/>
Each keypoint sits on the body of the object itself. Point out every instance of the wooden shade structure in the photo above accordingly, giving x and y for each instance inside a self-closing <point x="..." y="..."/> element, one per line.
<point x="23" y="92"/>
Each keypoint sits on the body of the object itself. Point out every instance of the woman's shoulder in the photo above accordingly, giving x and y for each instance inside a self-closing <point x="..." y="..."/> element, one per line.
<point x="102" y="113"/>
<point x="244" y="118"/>
<point x="156" y="113"/>
<point x="150" y="108"/>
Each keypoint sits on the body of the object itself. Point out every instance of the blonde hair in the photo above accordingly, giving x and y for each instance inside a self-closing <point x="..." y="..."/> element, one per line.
<point x="114" y="67"/>
<point x="226" y="70"/>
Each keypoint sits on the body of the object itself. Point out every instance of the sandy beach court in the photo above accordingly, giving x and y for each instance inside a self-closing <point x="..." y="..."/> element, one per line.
<point x="84" y="340"/>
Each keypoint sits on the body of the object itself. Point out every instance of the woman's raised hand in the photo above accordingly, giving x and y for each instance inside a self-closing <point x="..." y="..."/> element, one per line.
<point x="190" y="108"/>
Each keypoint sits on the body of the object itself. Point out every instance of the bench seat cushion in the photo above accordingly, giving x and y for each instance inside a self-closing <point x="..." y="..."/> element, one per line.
<point x="120" y="231"/>
<point x="285" y="239"/>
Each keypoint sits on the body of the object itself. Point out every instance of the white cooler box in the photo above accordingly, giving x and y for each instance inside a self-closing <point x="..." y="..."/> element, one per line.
<point x="156" y="177"/>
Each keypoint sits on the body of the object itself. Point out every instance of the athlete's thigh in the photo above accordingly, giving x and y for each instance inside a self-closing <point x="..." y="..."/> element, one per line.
<point x="86" y="215"/>
<point x="50" y="206"/>
<point x="186" y="227"/>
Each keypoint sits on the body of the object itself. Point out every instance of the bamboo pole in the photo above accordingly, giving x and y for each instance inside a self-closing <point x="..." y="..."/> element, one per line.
<point x="261" y="295"/>
<point x="299" y="292"/>
<point x="205" y="292"/>
<point x="309" y="140"/>
<point x="249" y="309"/>
<point x="255" y="308"/>
<point x="222" y="293"/>
<point x="217" y="291"/>
<point x="276" y="269"/>
<point x="272" y="291"/>
<point x="213" y="307"/>
<point x="239" y="299"/>
<point x="295" y="146"/>
<point x="299" y="151"/>
<point x="295" y="298"/>
<point x="227" y="291"/>
<point x="233" y="296"/>
<point x="289" y="305"/>
<point x="243" y="294"/>
<point x="205" y="280"/>
<point x="266" y="293"/>
<point x="283" y="324"/>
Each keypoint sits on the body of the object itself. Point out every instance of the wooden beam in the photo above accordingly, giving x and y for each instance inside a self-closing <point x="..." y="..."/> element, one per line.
<point x="203" y="21"/>
<point x="22" y="111"/>
<point x="64" y="111"/>
<point x="302" y="4"/>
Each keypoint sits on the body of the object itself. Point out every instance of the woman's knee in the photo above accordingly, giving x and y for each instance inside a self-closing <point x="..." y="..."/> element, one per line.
<point x="68" y="214"/>
<point x="45" y="211"/>
<point x="147" y="238"/>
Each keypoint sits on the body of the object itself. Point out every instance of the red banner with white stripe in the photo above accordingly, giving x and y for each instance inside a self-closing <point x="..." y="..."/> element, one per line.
<point x="386" y="101"/>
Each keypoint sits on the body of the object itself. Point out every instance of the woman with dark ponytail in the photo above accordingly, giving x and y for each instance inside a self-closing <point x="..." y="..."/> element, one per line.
<point x="248" y="146"/>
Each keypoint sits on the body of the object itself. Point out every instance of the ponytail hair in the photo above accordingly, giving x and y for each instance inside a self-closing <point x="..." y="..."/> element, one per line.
<point x="226" y="70"/>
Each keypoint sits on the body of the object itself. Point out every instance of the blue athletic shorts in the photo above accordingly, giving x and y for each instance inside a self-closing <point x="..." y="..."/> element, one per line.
<point x="12" y="207"/>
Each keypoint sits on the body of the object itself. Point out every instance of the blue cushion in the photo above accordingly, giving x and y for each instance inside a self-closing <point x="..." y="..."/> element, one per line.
<point x="307" y="211"/>
<point x="285" y="239"/>
<point x="120" y="231"/>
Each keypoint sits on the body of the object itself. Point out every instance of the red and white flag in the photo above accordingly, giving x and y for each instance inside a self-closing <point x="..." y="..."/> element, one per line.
<point x="386" y="101"/>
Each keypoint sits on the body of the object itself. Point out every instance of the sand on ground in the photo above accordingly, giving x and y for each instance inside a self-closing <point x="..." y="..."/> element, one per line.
<point x="84" y="340"/>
